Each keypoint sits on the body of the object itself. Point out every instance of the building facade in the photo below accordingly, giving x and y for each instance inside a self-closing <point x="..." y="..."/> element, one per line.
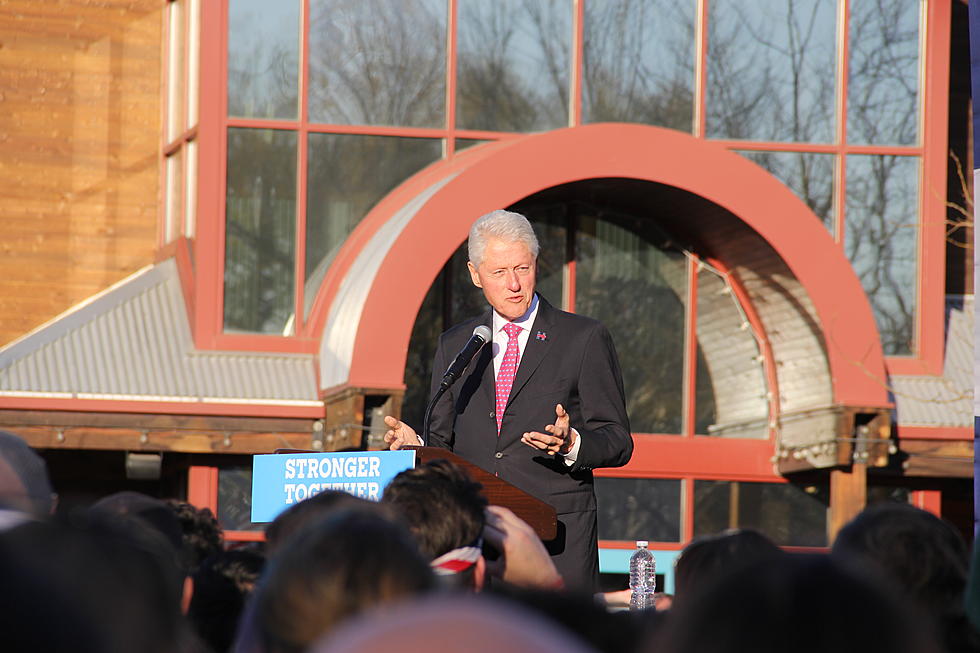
<point x="252" y="215"/>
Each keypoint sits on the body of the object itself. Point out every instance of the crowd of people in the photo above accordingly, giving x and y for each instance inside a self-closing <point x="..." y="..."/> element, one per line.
<point x="432" y="567"/>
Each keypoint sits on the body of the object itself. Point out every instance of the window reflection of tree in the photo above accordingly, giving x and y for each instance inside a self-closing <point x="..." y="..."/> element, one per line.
<point x="883" y="80"/>
<point x="259" y="231"/>
<point x="881" y="242"/>
<point x="347" y="175"/>
<point x="771" y="70"/>
<point x="882" y="197"/>
<point x="638" y="62"/>
<point x="372" y="65"/>
<point x="513" y="64"/>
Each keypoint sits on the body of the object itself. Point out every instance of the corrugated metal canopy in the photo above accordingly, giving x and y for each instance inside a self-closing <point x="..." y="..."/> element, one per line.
<point x="945" y="400"/>
<point x="133" y="342"/>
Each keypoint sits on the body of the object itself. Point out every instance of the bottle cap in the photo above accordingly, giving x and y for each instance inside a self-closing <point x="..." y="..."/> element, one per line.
<point x="642" y="544"/>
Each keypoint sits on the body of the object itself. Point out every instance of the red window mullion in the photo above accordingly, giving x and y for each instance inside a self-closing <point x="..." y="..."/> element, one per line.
<point x="701" y="69"/>
<point x="575" y="87"/>
<point x="571" y="232"/>
<point x="689" y="393"/>
<point x="302" y="147"/>
<point x="451" y="20"/>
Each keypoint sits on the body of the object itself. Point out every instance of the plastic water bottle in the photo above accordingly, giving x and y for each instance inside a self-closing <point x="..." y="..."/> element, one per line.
<point x="643" y="577"/>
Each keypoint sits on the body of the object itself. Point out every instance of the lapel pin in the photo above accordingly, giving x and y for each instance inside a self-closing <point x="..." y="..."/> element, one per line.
<point x="541" y="335"/>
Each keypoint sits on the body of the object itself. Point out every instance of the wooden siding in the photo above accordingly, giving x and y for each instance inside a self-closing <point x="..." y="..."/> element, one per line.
<point x="80" y="135"/>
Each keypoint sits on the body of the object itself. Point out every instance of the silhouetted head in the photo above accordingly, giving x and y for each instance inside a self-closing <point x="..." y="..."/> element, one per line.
<point x="222" y="584"/>
<point x="799" y="603"/>
<point x="24" y="481"/>
<point x="302" y="514"/>
<point x="922" y="556"/>
<point x="706" y="559"/>
<point x="331" y="570"/>
<point x="449" y="624"/>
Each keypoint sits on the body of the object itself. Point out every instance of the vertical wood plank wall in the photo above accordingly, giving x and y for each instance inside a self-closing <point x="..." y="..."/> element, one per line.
<point x="79" y="151"/>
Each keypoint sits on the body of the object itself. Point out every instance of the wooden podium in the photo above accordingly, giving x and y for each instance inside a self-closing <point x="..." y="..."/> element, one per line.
<point x="538" y="514"/>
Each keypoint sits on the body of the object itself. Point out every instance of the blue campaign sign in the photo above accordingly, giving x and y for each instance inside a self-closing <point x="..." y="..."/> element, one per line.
<point x="280" y="480"/>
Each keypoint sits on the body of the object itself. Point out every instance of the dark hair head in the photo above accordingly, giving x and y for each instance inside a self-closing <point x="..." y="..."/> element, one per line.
<point x="441" y="504"/>
<point x="919" y="554"/>
<point x="222" y="583"/>
<point x="202" y="535"/>
<point x="800" y="603"/>
<point x="706" y="559"/>
<point x="444" y="510"/>
<point x="147" y="511"/>
<point x="331" y="570"/>
<point x="120" y="574"/>
<point x="302" y="514"/>
<point x="24" y="481"/>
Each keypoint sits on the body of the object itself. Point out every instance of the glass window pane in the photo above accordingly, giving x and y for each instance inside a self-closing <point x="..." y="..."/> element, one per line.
<point x="193" y="60"/>
<point x="465" y="299"/>
<point x="263" y="58"/>
<point x="639" y="509"/>
<point x="175" y="68"/>
<point x="429" y="325"/>
<point x="190" y="190"/>
<point x="731" y="384"/>
<point x="638" y="289"/>
<point x="235" y="500"/>
<point x="550" y="226"/>
<point x="260" y="230"/>
<point x="788" y="514"/>
<point x="374" y="62"/>
<point x="175" y="181"/>
<point x="638" y="62"/>
<point x="883" y="73"/>
<point x="881" y="241"/>
<point x="512" y="64"/>
<point x="466" y="143"/>
<point x="347" y="175"/>
<point x="810" y="176"/>
<point x="771" y="70"/>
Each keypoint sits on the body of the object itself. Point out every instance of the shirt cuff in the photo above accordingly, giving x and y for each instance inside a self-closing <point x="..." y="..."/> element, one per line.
<point x="572" y="454"/>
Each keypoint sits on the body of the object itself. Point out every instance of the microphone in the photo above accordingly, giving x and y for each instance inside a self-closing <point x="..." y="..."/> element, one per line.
<point x="481" y="336"/>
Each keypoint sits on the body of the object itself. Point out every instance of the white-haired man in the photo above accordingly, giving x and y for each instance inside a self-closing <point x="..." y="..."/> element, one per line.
<point x="544" y="405"/>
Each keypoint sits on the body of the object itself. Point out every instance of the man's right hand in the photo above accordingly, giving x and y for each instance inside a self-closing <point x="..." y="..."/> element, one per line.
<point x="399" y="434"/>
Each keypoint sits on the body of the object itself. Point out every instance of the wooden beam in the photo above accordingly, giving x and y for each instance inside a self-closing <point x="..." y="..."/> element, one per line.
<point x="848" y="496"/>
<point x="129" y="439"/>
<point x="937" y="458"/>
<point x="11" y="419"/>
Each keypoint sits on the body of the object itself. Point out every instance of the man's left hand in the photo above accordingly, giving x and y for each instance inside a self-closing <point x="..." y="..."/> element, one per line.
<point x="559" y="437"/>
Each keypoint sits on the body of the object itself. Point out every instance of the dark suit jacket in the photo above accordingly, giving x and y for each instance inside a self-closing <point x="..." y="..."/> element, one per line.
<point x="569" y="359"/>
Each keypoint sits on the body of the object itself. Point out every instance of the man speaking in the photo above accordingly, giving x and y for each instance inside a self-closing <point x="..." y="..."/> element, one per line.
<point x="540" y="406"/>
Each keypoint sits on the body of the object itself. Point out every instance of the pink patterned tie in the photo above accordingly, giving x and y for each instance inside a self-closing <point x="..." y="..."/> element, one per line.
<point x="508" y="369"/>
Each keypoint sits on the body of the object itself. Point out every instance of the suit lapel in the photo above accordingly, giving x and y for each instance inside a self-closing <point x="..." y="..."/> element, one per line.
<point x="538" y="345"/>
